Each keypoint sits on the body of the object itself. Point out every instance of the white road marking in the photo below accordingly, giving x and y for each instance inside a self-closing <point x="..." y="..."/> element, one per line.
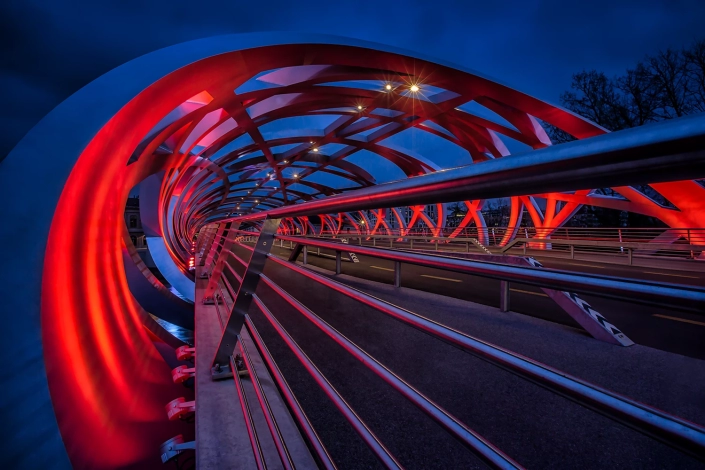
<point x="679" y="319"/>
<point x="587" y="265"/>
<point x="672" y="275"/>
<point x="529" y="292"/>
<point x="380" y="267"/>
<point x="441" y="278"/>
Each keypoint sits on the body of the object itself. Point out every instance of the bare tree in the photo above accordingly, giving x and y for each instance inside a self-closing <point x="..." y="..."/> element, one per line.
<point x="663" y="86"/>
<point x="695" y="71"/>
<point x="669" y="84"/>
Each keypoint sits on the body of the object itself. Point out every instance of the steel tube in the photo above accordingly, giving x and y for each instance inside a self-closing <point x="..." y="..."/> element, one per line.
<point x="228" y="287"/>
<point x="238" y="259"/>
<point x="225" y="302"/>
<point x="302" y="420"/>
<point x="232" y="270"/>
<point x="360" y="427"/>
<point x="665" y="151"/>
<point x="274" y="430"/>
<point x="249" y="423"/>
<point x="674" y="431"/>
<point x="478" y="444"/>
<point x="635" y="290"/>
<point x="247" y="247"/>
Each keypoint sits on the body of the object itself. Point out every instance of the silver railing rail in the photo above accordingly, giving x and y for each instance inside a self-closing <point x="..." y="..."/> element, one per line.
<point x="667" y="151"/>
<point x="626" y="249"/>
<point x="664" y="427"/>
<point x="634" y="290"/>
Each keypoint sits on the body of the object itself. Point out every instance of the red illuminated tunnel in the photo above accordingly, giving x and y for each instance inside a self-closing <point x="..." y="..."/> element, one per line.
<point x="89" y="369"/>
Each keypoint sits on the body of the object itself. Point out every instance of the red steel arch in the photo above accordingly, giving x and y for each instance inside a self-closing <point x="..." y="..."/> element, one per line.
<point x="179" y="112"/>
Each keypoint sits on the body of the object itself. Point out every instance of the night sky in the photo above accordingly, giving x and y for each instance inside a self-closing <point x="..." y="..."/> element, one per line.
<point x="49" y="49"/>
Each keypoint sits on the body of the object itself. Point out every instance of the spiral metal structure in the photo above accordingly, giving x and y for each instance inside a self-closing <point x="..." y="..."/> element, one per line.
<point x="209" y="130"/>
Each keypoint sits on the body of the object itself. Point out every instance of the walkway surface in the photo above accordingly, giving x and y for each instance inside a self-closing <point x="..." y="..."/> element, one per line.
<point x="534" y="426"/>
<point x="221" y="432"/>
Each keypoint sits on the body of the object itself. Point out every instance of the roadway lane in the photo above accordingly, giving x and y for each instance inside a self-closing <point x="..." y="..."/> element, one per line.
<point x="655" y="327"/>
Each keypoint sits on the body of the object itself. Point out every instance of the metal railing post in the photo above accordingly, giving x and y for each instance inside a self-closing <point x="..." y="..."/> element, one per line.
<point x="397" y="274"/>
<point x="630" y="253"/>
<point x="572" y="251"/>
<point x="411" y="243"/>
<point x="504" y="296"/>
<point x="391" y="243"/>
<point x="374" y="241"/>
<point x="337" y="262"/>
<point x="305" y="254"/>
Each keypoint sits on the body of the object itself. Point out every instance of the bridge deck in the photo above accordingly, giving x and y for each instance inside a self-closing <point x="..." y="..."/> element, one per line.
<point x="534" y="426"/>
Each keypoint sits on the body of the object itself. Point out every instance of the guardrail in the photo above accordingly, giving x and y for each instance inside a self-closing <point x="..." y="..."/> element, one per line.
<point x="544" y="246"/>
<point x="675" y="296"/>
<point x="669" y="429"/>
<point x="495" y="235"/>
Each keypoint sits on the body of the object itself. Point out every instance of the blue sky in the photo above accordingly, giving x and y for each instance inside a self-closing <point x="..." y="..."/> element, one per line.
<point x="50" y="49"/>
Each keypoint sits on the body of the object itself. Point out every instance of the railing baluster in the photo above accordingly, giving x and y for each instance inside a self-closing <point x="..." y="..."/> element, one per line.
<point x="266" y="409"/>
<point x="302" y="420"/>
<point x="478" y="444"/>
<point x="674" y="431"/>
<point x="360" y="427"/>
<point x="249" y="422"/>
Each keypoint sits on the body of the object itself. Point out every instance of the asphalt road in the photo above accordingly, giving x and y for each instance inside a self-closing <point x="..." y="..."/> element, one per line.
<point x="673" y="331"/>
<point x="535" y="427"/>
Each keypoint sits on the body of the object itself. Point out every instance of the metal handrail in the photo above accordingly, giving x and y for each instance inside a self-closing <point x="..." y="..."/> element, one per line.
<point x="674" y="431"/>
<point x="552" y="240"/>
<point x="634" y="290"/>
<point x="380" y="451"/>
<point x="274" y="430"/>
<point x="319" y="450"/>
<point x="475" y="442"/>
<point x="249" y="422"/>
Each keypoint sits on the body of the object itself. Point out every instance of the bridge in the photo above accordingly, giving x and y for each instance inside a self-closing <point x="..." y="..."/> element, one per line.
<point x="316" y="308"/>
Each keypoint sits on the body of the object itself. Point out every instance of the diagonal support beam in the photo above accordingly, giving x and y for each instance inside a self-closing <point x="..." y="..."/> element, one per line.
<point x="243" y="300"/>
